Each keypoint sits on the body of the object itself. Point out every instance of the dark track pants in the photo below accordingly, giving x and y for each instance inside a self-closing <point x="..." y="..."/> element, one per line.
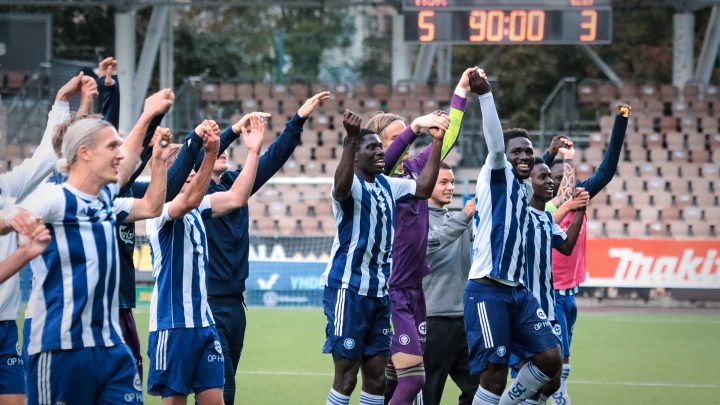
<point x="229" y="315"/>
<point x="446" y="353"/>
<point x="130" y="334"/>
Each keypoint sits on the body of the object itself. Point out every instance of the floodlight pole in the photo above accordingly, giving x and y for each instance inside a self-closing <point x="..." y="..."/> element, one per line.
<point x="125" y="55"/>
<point x="400" y="51"/>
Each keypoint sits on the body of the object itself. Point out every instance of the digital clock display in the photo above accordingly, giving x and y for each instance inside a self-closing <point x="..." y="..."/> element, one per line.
<point x="508" y="21"/>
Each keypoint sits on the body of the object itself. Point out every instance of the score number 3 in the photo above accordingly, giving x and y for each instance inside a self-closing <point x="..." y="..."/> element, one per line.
<point x="589" y="25"/>
<point x="426" y="25"/>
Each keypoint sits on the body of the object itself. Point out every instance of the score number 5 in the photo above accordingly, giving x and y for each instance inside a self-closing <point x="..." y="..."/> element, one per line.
<point x="426" y="25"/>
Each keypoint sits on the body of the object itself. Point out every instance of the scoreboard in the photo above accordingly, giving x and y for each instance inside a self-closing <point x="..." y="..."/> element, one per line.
<point x="491" y="22"/>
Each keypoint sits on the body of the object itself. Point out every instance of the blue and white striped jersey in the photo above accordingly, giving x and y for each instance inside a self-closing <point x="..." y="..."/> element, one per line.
<point x="74" y="298"/>
<point x="180" y="260"/>
<point x="500" y="226"/>
<point x="361" y="256"/>
<point x="543" y="235"/>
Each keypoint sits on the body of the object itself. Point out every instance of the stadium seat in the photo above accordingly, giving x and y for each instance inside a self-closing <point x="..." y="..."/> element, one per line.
<point x="226" y="92"/>
<point x="594" y="228"/>
<point x="647" y="213"/>
<point x="627" y="213"/>
<point x="658" y="229"/>
<point x="209" y="92"/>
<point x="586" y="93"/>
<point x="636" y="229"/>
<point x="299" y="91"/>
<point x="706" y="200"/>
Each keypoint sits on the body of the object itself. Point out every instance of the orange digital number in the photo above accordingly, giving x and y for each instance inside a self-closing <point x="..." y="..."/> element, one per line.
<point x="477" y="22"/>
<point x="495" y="25"/>
<point x="518" y="25"/>
<point x="425" y="23"/>
<point x="589" y="25"/>
<point x="536" y="25"/>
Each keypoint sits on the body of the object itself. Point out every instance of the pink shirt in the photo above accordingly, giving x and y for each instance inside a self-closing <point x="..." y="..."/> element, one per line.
<point x="569" y="271"/>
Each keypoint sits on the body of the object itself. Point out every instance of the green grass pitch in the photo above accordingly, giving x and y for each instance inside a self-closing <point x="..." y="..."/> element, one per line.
<point x="618" y="358"/>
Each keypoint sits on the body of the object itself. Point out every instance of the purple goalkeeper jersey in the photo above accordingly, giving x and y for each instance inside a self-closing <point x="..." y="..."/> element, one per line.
<point x="412" y="222"/>
<point x="412" y="217"/>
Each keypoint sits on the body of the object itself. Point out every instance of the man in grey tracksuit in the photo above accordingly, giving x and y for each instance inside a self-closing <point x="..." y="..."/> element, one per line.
<point x="448" y="252"/>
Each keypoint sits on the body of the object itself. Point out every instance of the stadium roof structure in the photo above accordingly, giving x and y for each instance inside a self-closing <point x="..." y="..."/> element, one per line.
<point x="680" y="5"/>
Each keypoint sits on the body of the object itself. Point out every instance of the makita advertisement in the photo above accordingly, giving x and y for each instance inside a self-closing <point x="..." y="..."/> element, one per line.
<point x="648" y="263"/>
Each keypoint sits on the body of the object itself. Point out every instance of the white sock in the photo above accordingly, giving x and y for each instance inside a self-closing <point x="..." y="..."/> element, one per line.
<point x="529" y="380"/>
<point x="336" y="398"/>
<point x="485" y="397"/>
<point x="542" y="400"/>
<point x="564" y="377"/>
<point x="529" y="402"/>
<point x="370" y="399"/>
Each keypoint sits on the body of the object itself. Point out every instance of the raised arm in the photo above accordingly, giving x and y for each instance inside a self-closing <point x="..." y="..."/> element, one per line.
<point x="183" y="164"/>
<point x="238" y="195"/>
<point x="342" y="184"/>
<point x="579" y="200"/>
<point x="572" y="233"/>
<point x="608" y="166"/>
<point x="428" y="176"/>
<point x="452" y="228"/>
<point x="557" y="142"/>
<point x="109" y="90"/>
<point x="19" y="182"/>
<point x="567" y="185"/>
<point x="155" y="105"/>
<point x="88" y="92"/>
<point x="193" y="195"/>
<point x="30" y="246"/>
<point x="283" y="147"/>
<point x="492" y="130"/>
<point x="151" y="204"/>
<point x="396" y="150"/>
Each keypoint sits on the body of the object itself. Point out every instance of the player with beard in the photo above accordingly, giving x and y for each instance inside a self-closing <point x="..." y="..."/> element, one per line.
<point x="406" y="371"/>
<point x="570" y="271"/>
<point x="356" y="300"/>
<point x="501" y="315"/>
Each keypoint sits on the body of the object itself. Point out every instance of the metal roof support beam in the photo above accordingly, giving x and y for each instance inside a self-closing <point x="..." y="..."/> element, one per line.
<point x="683" y="42"/>
<point x="604" y="67"/>
<point x="709" y="52"/>
<point x="444" y="64"/>
<point x="156" y="31"/>
<point x="423" y="63"/>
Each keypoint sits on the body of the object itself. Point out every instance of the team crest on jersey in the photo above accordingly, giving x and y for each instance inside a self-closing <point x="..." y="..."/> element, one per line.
<point x="218" y="347"/>
<point x="349" y="343"/>
<point x="404" y="339"/>
<point x="17" y="349"/>
<point x="137" y="382"/>
<point x="541" y="314"/>
<point x="501" y="351"/>
<point x="127" y="233"/>
<point x="556" y="330"/>
<point x="422" y="328"/>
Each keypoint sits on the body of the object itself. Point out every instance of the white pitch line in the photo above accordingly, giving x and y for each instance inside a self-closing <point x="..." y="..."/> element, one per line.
<point x="627" y="383"/>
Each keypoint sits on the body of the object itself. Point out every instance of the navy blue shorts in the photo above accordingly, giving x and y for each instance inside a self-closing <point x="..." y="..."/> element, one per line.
<point x="91" y="375"/>
<point x="500" y="320"/>
<point x="358" y="326"/>
<point x="566" y="315"/>
<point x="12" y="373"/>
<point x="185" y="360"/>
<point x="516" y="362"/>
